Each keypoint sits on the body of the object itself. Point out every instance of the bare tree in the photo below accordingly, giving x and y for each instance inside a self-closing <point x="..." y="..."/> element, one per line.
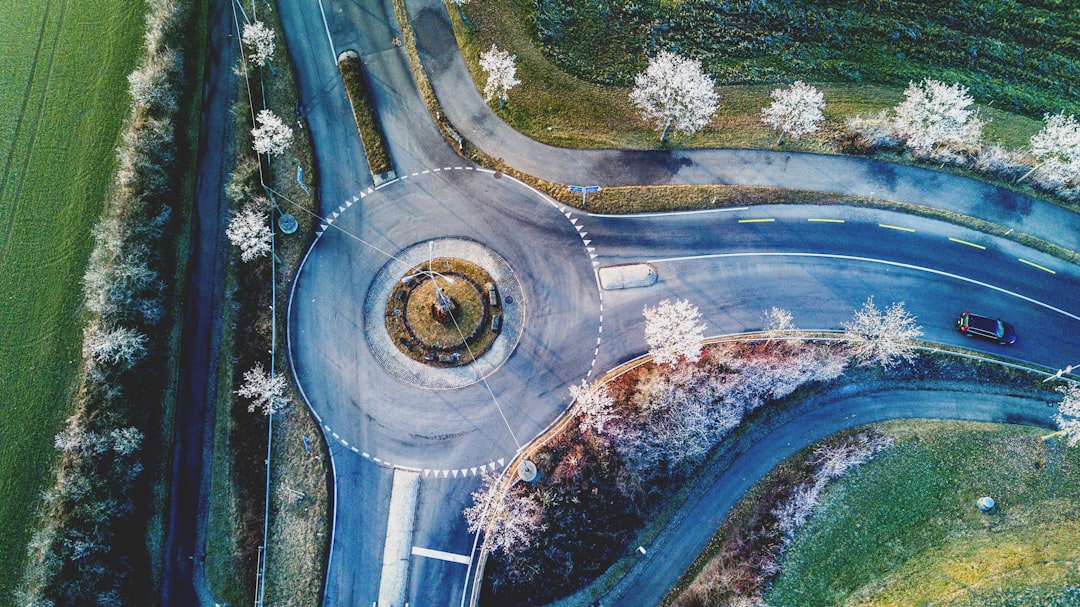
<point x="882" y="337"/>
<point x="118" y="346"/>
<point x="1057" y="148"/>
<point x="674" y="93"/>
<point x="795" y="110"/>
<point x="933" y="112"/>
<point x="259" y="41"/>
<point x="272" y="136"/>
<point x="594" y="404"/>
<point x="265" y="391"/>
<point x="674" y="331"/>
<point x="250" y="230"/>
<point x="778" y="323"/>
<point x="505" y="514"/>
<point x="501" y="71"/>
<point x="1068" y="415"/>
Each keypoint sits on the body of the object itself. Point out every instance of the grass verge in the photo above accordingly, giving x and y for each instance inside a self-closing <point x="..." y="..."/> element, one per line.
<point x="298" y="540"/>
<point x="904" y="529"/>
<point x="64" y="88"/>
<point x="367" y="121"/>
<point x="556" y="107"/>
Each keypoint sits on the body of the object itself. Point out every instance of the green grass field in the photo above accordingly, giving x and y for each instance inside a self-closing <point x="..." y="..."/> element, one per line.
<point x="64" y="94"/>
<point x="904" y="529"/>
<point x="555" y="106"/>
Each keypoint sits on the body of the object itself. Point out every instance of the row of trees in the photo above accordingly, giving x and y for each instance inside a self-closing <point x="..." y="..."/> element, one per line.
<point x="635" y="437"/>
<point x="90" y="549"/>
<point x="935" y="120"/>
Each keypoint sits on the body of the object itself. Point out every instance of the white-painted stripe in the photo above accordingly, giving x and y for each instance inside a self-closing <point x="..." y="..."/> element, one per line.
<point x="669" y="213"/>
<point x="442" y="556"/>
<point x="872" y="260"/>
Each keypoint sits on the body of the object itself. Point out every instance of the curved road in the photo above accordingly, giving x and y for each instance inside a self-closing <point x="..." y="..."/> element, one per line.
<point x="732" y="264"/>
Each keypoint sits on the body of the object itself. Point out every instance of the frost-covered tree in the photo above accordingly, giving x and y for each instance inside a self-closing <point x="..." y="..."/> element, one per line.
<point x="795" y="111"/>
<point x="271" y="136"/>
<point x="594" y="404"/>
<point x="1068" y="415"/>
<point x="674" y="93"/>
<point x="118" y="346"/>
<point x="933" y="112"/>
<point x="150" y="86"/>
<point x="250" y="230"/>
<point x="882" y="336"/>
<point x="674" y="331"/>
<point x="506" y="515"/>
<point x="1057" y="148"/>
<point x="265" y="391"/>
<point x="259" y="41"/>
<point x="501" y="71"/>
<point x="778" y="323"/>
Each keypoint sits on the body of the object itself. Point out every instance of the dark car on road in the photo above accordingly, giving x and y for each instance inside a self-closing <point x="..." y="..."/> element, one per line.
<point x="985" y="327"/>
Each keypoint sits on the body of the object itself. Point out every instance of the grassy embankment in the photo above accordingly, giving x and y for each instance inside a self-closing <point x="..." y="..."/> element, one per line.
<point x="563" y="107"/>
<point x="299" y="525"/>
<point x="65" y="91"/>
<point x="904" y="530"/>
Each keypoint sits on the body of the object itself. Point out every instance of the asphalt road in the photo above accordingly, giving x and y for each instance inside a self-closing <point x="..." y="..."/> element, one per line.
<point x="655" y="573"/>
<point x="820" y="272"/>
<point x="183" y="581"/>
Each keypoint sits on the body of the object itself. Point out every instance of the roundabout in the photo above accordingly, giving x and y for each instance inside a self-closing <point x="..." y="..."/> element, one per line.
<point x="390" y="381"/>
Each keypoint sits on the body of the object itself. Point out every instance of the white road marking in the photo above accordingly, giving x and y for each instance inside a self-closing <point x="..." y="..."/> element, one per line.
<point x="442" y="556"/>
<point x="872" y="260"/>
<point x="669" y="213"/>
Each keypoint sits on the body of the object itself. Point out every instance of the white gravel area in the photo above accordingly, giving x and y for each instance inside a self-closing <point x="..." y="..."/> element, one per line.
<point x="434" y="378"/>
<point x="393" y="585"/>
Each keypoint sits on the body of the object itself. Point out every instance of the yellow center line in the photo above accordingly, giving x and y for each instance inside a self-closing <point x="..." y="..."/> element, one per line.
<point x="820" y="220"/>
<point x="761" y="220"/>
<point x="970" y="244"/>
<point x="1035" y="265"/>
<point x="892" y="227"/>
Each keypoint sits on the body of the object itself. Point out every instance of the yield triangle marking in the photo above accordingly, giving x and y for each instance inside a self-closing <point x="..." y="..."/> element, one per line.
<point x="586" y="241"/>
<point x="492" y="464"/>
<point x="502" y="461"/>
<point x="362" y="194"/>
<point x="567" y="214"/>
<point x="355" y="199"/>
<point x="426" y="472"/>
<point x="455" y="473"/>
<point x="472" y="471"/>
<point x="584" y="234"/>
<point x="592" y="255"/>
<point x="323" y="226"/>
<point x="573" y="220"/>
<point x="463" y="472"/>
<point x="596" y="264"/>
<point x="335" y="214"/>
<point x="348" y="203"/>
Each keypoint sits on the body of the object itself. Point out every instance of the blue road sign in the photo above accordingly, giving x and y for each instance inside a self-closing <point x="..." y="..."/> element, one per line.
<point x="592" y="188"/>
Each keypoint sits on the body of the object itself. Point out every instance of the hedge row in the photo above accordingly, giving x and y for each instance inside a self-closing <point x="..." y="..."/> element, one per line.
<point x="90" y="548"/>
